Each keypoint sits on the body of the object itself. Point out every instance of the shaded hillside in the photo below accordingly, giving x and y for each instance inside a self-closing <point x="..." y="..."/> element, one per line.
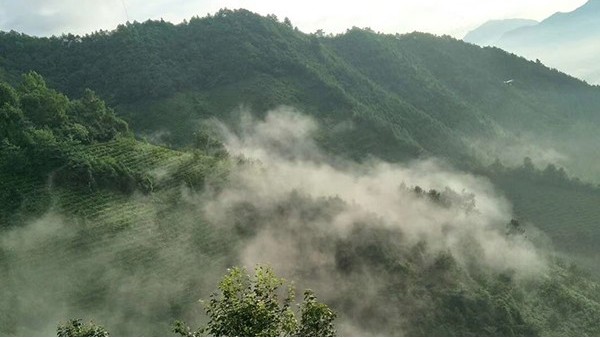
<point x="564" y="209"/>
<point x="50" y="142"/>
<point x="392" y="97"/>
<point x="86" y="217"/>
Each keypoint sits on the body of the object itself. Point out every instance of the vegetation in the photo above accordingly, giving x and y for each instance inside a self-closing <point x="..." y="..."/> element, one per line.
<point x="390" y="96"/>
<point x="78" y="144"/>
<point x="75" y="328"/>
<point x="42" y="129"/>
<point x="253" y="308"/>
<point x="115" y="227"/>
<point x="562" y="206"/>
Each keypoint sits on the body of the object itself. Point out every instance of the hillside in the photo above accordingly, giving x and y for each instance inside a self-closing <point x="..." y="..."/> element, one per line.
<point x="370" y="185"/>
<point x="136" y="248"/>
<point x="567" y="41"/>
<point x="395" y="97"/>
<point x="562" y="208"/>
<point x="86" y="214"/>
<point x="391" y="97"/>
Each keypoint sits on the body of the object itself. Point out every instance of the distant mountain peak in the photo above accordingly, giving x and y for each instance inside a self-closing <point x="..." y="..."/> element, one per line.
<point x="589" y="9"/>
<point x="591" y="6"/>
<point x="490" y="32"/>
<point x="569" y="41"/>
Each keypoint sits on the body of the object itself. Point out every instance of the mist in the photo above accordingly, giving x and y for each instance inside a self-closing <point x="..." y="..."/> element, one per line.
<point x="574" y="150"/>
<point x="133" y="281"/>
<point x="330" y="224"/>
<point x="350" y="231"/>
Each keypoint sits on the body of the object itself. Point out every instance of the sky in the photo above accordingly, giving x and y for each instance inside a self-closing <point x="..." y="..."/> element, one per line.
<point x="453" y="17"/>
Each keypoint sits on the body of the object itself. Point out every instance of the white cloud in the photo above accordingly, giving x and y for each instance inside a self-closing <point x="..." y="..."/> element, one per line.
<point x="436" y="16"/>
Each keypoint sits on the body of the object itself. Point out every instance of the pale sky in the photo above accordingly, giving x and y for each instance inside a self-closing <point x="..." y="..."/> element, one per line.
<point x="453" y="17"/>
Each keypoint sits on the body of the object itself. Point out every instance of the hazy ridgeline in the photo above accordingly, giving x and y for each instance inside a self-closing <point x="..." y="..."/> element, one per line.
<point x="567" y="41"/>
<point x="388" y="259"/>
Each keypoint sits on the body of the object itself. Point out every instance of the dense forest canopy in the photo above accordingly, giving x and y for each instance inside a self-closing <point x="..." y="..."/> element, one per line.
<point x="409" y="95"/>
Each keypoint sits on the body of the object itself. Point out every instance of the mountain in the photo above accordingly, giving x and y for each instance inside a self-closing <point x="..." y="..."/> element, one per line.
<point x="490" y="32"/>
<point x="124" y="232"/>
<point x="331" y="181"/>
<point x="560" y="27"/>
<point x="403" y="96"/>
<point x="567" y="41"/>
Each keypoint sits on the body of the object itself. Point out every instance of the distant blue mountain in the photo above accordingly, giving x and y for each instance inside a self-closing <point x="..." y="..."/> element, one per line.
<point x="567" y="41"/>
<point x="492" y="31"/>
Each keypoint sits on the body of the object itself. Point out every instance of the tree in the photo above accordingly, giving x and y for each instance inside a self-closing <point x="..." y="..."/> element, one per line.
<point x="247" y="306"/>
<point x="515" y="228"/>
<point x="528" y="165"/>
<point x="316" y="319"/>
<point x="91" y="111"/>
<point x="12" y="123"/>
<point x="42" y="105"/>
<point x="7" y="95"/>
<point x="75" y="328"/>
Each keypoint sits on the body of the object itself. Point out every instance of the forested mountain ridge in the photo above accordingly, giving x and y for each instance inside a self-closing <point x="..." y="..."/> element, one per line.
<point x="409" y="95"/>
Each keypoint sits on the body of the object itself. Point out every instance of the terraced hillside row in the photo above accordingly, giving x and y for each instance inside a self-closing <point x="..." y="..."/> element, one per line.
<point x="167" y="170"/>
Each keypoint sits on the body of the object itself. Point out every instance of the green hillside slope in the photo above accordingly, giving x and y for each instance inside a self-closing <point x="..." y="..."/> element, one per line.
<point x="86" y="222"/>
<point x="564" y="209"/>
